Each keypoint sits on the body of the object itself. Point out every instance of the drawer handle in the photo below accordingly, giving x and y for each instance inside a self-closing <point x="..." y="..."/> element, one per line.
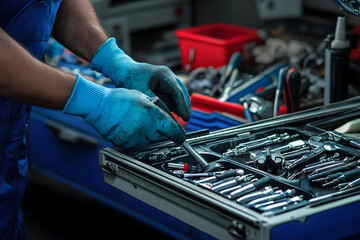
<point x="237" y="230"/>
<point x="71" y="136"/>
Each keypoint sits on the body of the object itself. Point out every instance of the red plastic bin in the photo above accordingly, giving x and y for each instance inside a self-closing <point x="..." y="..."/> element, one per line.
<point x="214" y="44"/>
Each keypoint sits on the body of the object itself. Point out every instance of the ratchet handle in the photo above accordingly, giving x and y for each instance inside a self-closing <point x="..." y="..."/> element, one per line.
<point x="291" y="90"/>
<point x="199" y="159"/>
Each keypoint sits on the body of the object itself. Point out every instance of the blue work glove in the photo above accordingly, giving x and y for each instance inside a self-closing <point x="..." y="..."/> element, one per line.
<point x="151" y="80"/>
<point x="125" y="117"/>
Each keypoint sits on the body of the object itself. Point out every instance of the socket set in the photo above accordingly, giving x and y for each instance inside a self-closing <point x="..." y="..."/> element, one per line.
<point x="274" y="170"/>
<point x="243" y="186"/>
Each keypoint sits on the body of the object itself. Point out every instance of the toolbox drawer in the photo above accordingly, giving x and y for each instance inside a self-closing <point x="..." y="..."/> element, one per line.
<point x="271" y="195"/>
<point x="66" y="148"/>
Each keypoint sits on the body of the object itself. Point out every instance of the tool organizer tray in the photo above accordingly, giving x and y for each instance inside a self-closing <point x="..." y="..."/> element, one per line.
<point x="278" y="178"/>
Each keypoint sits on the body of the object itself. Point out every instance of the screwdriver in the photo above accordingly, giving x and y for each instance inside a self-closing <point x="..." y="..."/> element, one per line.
<point x="334" y="170"/>
<point x="351" y="184"/>
<point x="346" y="176"/>
<point x="234" y="63"/>
<point x="205" y="166"/>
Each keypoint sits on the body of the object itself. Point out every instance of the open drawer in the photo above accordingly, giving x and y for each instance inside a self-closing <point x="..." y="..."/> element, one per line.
<point x="290" y="177"/>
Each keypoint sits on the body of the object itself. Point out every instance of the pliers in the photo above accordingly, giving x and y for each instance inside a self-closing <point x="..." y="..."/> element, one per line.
<point x="288" y="84"/>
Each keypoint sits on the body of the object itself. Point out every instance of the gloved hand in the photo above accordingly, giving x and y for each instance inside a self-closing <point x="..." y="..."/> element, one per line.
<point x="151" y="80"/>
<point x="125" y="117"/>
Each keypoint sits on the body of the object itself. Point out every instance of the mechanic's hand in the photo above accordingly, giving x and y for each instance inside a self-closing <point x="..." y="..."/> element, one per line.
<point x="151" y="80"/>
<point x="125" y="117"/>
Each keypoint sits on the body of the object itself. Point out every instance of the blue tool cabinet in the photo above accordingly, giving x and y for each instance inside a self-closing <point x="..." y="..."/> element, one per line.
<point x="66" y="148"/>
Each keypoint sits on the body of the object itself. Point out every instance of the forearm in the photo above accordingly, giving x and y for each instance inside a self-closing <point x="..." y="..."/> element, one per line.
<point x="77" y="27"/>
<point x="26" y="79"/>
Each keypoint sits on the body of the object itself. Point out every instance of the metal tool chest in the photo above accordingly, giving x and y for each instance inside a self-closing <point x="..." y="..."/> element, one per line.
<point x="286" y="156"/>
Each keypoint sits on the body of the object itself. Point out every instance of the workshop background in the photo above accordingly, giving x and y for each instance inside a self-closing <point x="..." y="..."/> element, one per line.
<point x="66" y="196"/>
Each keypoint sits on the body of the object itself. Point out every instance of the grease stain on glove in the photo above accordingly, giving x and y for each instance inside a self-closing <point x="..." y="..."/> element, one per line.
<point x="149" y="79"/>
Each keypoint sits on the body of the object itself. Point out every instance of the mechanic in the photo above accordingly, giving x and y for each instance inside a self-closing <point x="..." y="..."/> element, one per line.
<point x="122" y="115"/>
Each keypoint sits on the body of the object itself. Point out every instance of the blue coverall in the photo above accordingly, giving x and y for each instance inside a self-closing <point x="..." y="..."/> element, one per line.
<point x="29" y="22"/>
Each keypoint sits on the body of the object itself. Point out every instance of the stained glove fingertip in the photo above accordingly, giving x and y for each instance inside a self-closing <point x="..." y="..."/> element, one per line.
<point x="173" y="130"/>
<point x="186" y="115"/>
<point x="178" y="134"/>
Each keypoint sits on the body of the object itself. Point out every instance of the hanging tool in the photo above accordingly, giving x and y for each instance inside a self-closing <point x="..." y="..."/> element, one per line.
<point x="233" y="64"/>
<point x="291" y="90"/>
<point x="205" y="166"/>
<point x="288" y="84"/>
<point x="228" y="87"/>
<point x="280" y="85"/>
<point x="265" y="79"/>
